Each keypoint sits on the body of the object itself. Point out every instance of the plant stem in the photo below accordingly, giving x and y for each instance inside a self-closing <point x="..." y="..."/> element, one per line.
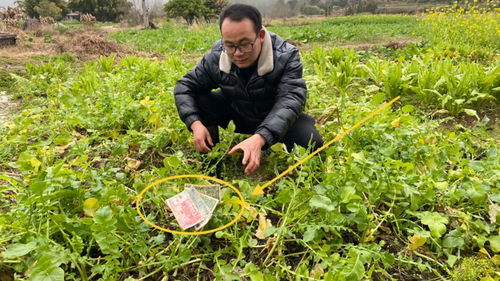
<point x="280" y="231"/>
<point x="296" y="274"/>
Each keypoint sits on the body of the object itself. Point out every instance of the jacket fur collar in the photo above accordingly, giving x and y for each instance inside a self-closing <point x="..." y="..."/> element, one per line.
<point x="265" y="63"/>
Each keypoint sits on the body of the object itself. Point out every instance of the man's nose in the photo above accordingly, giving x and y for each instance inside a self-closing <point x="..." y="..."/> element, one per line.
<point x="238" y="52"/>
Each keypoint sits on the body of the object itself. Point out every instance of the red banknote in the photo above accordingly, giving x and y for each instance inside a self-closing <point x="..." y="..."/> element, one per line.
<point x="193" y="207"/>
<point x="186" y="211"/>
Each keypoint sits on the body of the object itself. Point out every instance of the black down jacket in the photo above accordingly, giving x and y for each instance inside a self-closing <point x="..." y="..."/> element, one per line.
<point x="271" y="100"/>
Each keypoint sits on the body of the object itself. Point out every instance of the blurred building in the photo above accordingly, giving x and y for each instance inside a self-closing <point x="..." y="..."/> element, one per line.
<point x="73" y="16"/>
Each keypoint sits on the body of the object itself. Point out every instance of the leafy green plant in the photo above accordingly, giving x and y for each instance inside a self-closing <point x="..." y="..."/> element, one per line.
<point x="403" y="195"/>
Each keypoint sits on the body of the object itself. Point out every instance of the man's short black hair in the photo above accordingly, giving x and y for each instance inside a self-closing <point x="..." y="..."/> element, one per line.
<point x="238" y="12"/>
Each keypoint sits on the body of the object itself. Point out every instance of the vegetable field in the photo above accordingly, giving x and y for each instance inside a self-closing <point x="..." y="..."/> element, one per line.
<point x="413" y="194"/>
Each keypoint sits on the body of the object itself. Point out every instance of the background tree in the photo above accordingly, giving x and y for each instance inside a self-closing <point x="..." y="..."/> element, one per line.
<point x="315" y="2"/>
<point x="48" y="9"/>
<point x="145" y="14"/>
<point x="103" y="10"/>
<point x="214" y="8"/>
<point x="340" y="3"/>
<point x="292" y="7"/>
<point x="135" y="15"/>
<point x="280" y="9"/>
<point x="328" y="6"/>
<point x="157" y="10"/>
<point x="189" y="10"/>
<point x="361" y="6"/>
<point x="308" y="9"/>
<point x="53" y="8"/>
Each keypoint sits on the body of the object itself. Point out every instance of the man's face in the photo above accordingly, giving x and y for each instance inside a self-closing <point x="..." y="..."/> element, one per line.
<point x="241" y="34"/>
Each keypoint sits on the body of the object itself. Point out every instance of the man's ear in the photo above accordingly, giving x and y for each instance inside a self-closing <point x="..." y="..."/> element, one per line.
<point x="262" y="33"/>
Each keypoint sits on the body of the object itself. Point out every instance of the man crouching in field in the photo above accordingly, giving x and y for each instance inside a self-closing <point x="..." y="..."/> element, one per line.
<point x="259" y="77"/>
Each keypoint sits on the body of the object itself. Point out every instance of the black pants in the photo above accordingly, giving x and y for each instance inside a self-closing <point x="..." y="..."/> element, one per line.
<point x="216" y="111"/>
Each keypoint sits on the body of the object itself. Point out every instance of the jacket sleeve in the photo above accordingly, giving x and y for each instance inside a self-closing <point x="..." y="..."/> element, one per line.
<point x="289" y="103"/>
<point x="199" y="80"/>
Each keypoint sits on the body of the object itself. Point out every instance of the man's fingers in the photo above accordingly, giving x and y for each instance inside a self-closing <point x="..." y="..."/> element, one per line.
<point x="253" y="164"/>
<point x="251" y="167"/>
<point x="209" y="140"/>
<point x="196" y="145"/>
<point x="201" y="146"/>
<point x="198" y="148"/>
<point x="204" y="147"/>
<point x="256" y="163"/>
<point x="233" y="150"/>
<point x="246" y="157"/>
<point x="202" y="138"/>
<point x="251" y="154"/>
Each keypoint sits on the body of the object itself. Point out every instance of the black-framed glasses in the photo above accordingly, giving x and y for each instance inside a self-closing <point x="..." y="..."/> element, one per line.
<point x="244" y="47"/>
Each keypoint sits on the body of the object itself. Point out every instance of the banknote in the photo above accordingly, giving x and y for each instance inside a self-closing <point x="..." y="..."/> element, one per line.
<point x="212" y="190"/>
<point x="192" y="207"/>
<point x="211" y="204"/>
<point x="200" y="203"/>
<point x="186" y="210"/>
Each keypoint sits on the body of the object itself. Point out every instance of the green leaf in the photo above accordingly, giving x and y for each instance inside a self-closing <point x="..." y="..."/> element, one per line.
<point x="77" y="243"/>
<point x="357" y="271"/>
<point x="408" y="108"/>
<point x="104" y="216"/>
<point x="495" y="197"/>
<point x="172" y="162"/>
<point x="19" y="250"/>
<point x="453" y="242"/>
<point x="471" y="112"/>
<point x="387" y="259"/>
<point x="495" y="243"/>
<point x="322" y="202"/>
<point x="50" y="273"/>
<point x="284" y="196"/>
<point x="378" y="98"/>
<point x="476" y="165"/>
<point x="310" y="234"/>
<point x="441" y="185"/>
<point x="270" y="231"/>
<point x="348" y="193"/>
<point x="436" y="223"/>
<point x="35" y="163"/>
<point x="359" y="156"/>
<point x="46" y="268"/>
<point x="254" y="272"/>
<point x="452" y="260"/>
<point x="107" y="241"/>
<point x="38" y="187"/>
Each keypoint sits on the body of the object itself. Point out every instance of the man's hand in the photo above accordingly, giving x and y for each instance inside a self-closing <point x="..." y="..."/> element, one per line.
<point x="251" y="148"/>
<point x="201" y="137"/>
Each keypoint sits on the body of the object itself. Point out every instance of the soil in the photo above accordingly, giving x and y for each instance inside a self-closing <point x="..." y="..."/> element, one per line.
<point x="6" y="275"/>
<point x="466" y="121"/>
<point x="88" y="45"/>
<point x="390" y="45"/>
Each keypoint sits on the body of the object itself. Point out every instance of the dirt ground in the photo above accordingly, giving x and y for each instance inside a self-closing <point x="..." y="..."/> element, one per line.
<point x="86" y="44"/>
